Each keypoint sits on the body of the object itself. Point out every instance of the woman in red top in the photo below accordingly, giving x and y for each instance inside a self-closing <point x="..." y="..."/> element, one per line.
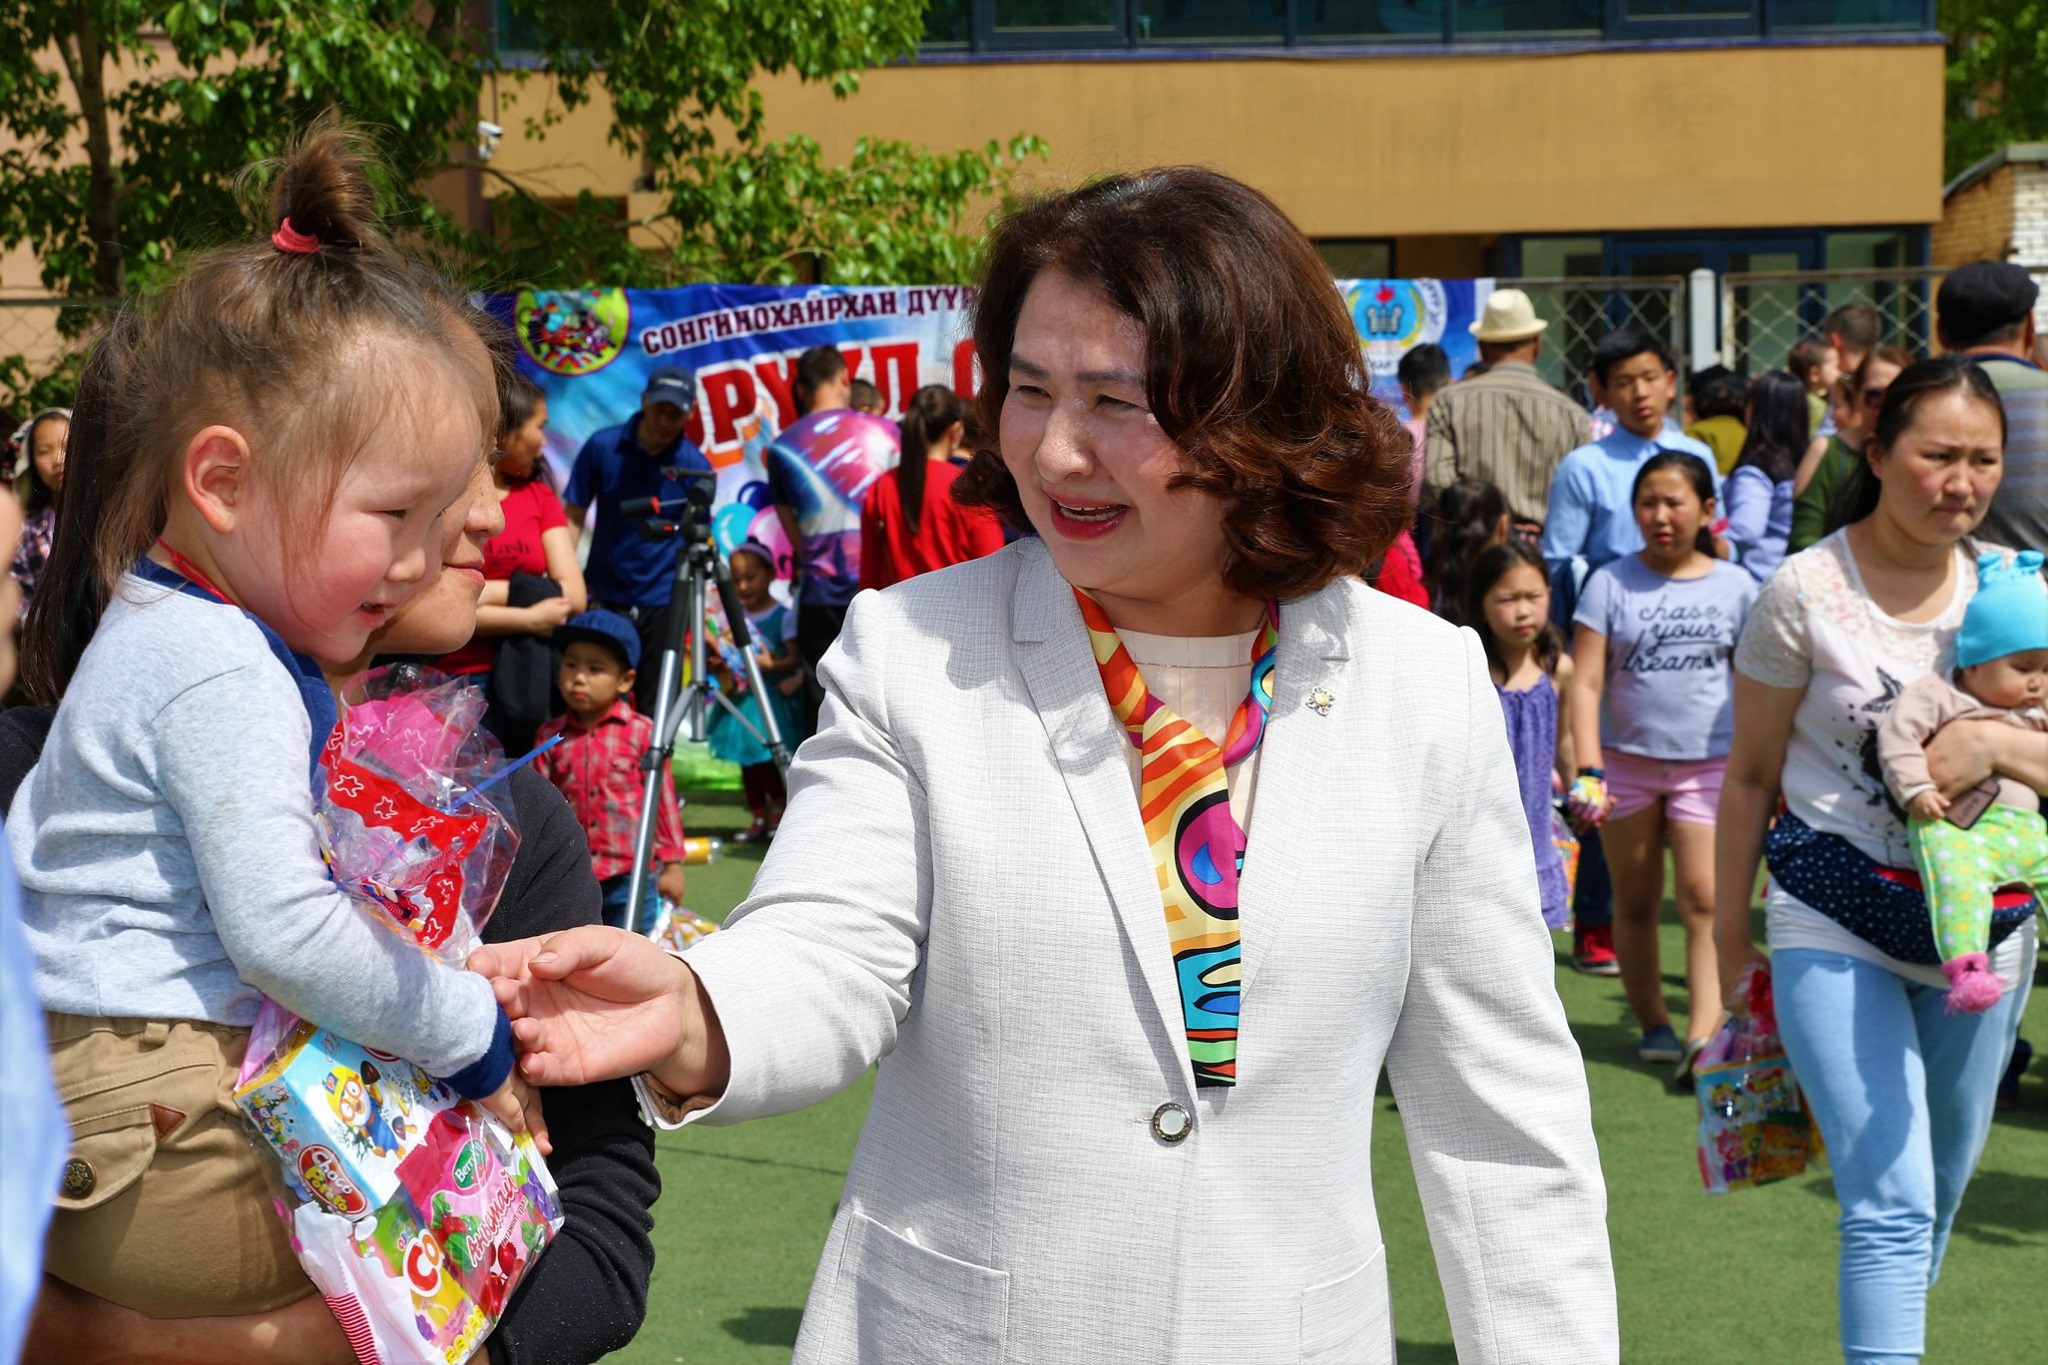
<point x="910" y="524"/>
<point x="536" y="540"/>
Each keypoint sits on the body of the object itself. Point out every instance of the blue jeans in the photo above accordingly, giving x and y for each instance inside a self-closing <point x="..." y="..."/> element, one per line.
<point x="1903" y="1094"/>
<point x="615" y="889"/>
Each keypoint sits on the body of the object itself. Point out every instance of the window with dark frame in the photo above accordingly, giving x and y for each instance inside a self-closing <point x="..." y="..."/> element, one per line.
<point x="1163" y="25"/>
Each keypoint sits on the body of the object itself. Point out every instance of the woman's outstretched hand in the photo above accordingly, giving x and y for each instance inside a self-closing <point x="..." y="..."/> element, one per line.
<point x="594" y="1003"/>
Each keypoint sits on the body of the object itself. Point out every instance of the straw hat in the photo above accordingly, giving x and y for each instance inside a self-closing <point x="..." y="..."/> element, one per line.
<point x="1509" y="316"/>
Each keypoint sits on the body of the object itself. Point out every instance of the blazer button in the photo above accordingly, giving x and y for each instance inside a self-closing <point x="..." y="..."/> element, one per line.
<point x="1171" y="1124"/>
<point x="79" y="1179"/>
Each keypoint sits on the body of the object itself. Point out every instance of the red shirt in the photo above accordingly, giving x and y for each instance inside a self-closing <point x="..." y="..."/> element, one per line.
<point x="1401" y="572"/>
<point x="531" y="508"/>
<point x="598" y="769"/>
<point x="947" y="533"/>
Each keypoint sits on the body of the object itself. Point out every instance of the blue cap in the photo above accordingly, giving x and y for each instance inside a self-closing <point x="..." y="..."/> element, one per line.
<point x="604" y="628"/>
<point x="672" y="384"/>
<point x="2009" y="613"/>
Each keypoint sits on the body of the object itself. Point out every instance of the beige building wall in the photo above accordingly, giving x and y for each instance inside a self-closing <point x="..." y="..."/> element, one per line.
<point x="1457" y="146"/>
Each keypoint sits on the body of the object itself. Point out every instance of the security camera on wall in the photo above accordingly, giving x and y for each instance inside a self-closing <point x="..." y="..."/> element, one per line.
<point x="488" y="135"/>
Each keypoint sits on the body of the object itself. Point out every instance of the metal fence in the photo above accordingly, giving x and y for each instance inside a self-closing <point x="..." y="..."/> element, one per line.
<point x="1583" y="309"/>
<point x="1763" y="315"/>
<point x="42" y="340"/>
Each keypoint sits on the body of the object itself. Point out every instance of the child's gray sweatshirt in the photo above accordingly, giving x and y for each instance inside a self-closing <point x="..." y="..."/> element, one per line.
<point x="169" y="862"/>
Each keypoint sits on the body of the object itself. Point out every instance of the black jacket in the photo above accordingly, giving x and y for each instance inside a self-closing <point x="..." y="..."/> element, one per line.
<point x="587" y="1295"/>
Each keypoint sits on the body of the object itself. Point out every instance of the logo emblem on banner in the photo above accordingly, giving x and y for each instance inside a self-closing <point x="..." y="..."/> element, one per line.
<point x="572" y="332"/>
<point x="1394" y="315"/>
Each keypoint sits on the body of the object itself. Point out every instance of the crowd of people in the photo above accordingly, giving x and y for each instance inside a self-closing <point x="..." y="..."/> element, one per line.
<point x="1793" y="620"/>
<point x="1785" y="587"/>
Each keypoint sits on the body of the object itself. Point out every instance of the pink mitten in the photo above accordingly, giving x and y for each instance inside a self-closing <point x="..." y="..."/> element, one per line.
<point x="1972" y="986"/>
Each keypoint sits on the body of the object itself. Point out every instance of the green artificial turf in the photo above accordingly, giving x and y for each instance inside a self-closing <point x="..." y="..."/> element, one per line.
<point x="1743" y="1276"/>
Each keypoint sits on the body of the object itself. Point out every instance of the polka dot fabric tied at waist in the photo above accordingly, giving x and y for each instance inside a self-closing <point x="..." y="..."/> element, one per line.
<point x="1196" y="841"/>
<point x="1884" y="906"/>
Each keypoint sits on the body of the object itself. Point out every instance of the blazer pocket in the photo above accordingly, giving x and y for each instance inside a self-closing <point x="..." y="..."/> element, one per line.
<point x="1349" y="1320"/>
<point x="915" y="1306"/>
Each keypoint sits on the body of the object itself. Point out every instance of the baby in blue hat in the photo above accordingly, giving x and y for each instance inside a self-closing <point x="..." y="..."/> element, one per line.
<point x="1991" y="836"/>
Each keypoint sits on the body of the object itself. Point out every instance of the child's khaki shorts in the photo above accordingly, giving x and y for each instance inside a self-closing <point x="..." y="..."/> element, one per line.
<point x="166" y="1202"/>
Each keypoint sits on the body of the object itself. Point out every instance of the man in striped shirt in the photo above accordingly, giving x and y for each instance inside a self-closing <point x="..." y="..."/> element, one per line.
<point x="1507" y="426"/>
<point x="1986" y="311"/>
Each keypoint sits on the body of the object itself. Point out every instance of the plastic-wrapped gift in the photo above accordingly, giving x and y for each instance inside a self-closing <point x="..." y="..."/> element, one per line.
<point x="400" y="820"/>
<point x="424" y="1280"/>
<point x="1567" y="850"/>
<point x="376" y="1146"/>
<point x="1754" y="1126"/>
<point x="676" y="928"/>
<point x="342" y="1119"/>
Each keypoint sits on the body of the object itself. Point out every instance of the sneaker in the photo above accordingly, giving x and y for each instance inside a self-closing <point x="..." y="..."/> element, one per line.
<point x="1661" y="1044"/>
<point x="1593" y="951"/>
<point x="756" y="833"/>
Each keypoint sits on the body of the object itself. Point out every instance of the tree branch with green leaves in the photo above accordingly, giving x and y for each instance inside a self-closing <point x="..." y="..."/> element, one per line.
<point x="124" y="125"/>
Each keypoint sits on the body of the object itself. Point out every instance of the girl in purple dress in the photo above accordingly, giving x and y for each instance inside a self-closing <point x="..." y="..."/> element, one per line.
<point x="1508" y="603"/>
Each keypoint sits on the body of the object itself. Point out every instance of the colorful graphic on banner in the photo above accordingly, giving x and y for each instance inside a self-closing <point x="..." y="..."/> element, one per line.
<point x="592" y="350"/>
<point x="1395" y="316"/>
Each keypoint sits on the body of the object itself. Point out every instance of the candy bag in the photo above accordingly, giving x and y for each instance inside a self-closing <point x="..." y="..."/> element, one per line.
<point x="394" y="1168"/>
<point x="1567" y="844"/>
<point x="1754" y="1125"/>
<point x="676" y="928"/>
<point x="424" y="1278"/>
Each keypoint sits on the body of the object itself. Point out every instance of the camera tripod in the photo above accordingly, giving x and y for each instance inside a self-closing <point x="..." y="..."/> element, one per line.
<point x="699" y="571"/>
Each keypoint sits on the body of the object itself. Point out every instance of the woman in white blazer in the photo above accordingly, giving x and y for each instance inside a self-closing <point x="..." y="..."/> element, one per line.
<point x="1080" y="1147"/>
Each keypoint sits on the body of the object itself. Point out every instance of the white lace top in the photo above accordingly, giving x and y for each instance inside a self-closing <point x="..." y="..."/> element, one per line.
<point x="1815" y="627"/>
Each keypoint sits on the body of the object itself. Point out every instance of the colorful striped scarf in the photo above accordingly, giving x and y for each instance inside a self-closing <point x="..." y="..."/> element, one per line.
<point x="1197" y="844"/>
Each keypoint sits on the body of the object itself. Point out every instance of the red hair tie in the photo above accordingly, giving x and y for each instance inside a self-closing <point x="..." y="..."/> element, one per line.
<point x="292" y="241"/>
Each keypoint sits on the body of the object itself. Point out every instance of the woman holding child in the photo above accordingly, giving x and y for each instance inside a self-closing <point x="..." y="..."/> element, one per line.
<point x="586" y="1294"/>
<point x="1900" y="1081"/>
<point x="1010" y="868"/>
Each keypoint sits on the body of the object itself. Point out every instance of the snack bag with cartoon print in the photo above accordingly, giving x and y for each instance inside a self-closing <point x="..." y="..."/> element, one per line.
<point x="1754" y="1125"/>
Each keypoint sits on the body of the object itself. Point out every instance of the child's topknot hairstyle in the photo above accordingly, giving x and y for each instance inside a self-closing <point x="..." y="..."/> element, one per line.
<point x="304" y="340"/>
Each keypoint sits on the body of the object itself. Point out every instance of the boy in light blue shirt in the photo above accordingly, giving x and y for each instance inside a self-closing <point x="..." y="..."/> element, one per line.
<point x="1589" y="516"/>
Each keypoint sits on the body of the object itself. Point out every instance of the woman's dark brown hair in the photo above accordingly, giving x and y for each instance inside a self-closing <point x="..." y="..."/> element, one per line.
<point x="306" y="352"/>
<point x="1253" y="367"/>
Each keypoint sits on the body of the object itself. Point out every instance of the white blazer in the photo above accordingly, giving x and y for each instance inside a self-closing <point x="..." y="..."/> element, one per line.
<point x="962" y="890"/>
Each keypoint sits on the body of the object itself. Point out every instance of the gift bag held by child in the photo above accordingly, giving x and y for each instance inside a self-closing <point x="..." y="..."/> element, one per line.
<point x="421" y="1212"/>
<point x="1567" y="851"/>
<point x="1754" y="1124"/>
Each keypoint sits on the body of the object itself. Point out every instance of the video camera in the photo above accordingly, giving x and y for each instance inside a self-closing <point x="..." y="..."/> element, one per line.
<point x="688" y="516"/>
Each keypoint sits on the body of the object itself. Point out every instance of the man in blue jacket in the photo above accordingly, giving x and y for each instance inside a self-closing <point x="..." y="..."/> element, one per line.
<point x="647" y="456"/>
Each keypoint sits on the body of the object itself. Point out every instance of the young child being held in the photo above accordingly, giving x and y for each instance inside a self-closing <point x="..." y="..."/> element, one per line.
<point x="1653" y="718"/>
<point x="753" y="571"/>
<point x="266" y="451"/>
<point x="1993" y="835"/>
<point x="1508" y="602"/>
<point x="597" y="764"/>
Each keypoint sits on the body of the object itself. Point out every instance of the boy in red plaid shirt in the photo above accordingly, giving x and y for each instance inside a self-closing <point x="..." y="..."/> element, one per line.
<point x="597" y="764"/>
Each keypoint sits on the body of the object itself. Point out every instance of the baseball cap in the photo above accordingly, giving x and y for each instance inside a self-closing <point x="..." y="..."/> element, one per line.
<point x="602" y="627"/>
<point x="1983" y="297"/>
<point x="672" y="384"/>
